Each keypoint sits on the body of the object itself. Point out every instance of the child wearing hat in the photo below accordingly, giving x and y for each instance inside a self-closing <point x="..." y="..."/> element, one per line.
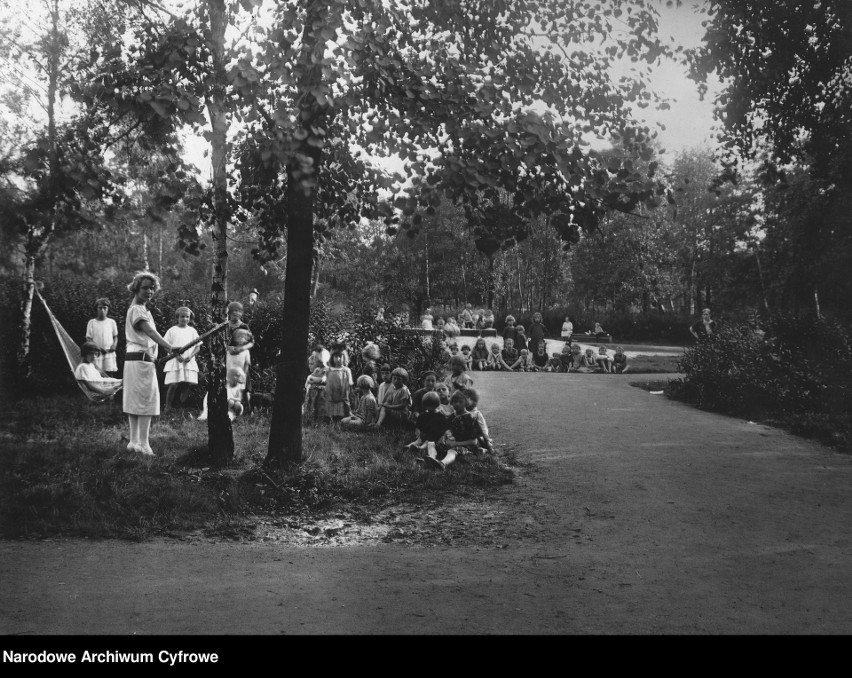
<point x="87" y="371"/>
<point x="103" y="333"/>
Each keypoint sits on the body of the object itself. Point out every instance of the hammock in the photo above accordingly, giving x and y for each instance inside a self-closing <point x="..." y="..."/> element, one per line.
<point x="107" y="389"/>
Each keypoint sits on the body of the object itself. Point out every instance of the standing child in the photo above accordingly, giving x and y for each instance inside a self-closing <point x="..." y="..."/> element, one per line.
<point x="314" y="407"/>
<point x="367" y="411"/>
<point x="619" y="361"/>
<point x="521" y="341"/>
<point x="103" y="333"/>
<point x="395" y="408"/>
<point x="338" y="381"/>
<point x="465" y="433"/>
<point x="182" y="370"/>
<point x="537" y="333"/>
<point x="479" y="355"/>
<point x="567" y="330"/>
<point x="431" y="426"/>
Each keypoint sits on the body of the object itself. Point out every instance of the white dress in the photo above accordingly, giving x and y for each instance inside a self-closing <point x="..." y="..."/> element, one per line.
<point x="141" y="390"/>
<point x="103" y="333"/>
<point x="175" y="371"/>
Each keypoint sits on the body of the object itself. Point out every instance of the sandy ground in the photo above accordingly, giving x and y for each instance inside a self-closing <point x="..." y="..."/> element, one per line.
<point x="630" y="514"/>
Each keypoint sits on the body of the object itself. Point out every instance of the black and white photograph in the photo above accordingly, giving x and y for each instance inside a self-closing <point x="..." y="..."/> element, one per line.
<point x="424" y="318"/>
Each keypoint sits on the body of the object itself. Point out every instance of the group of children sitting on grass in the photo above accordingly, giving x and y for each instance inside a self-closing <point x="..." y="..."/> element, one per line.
<point x="511" y="359"/>
<point x="444" y="413"/>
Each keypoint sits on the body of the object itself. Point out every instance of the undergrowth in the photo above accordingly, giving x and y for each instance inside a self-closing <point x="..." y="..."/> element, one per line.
<point x="64" y="471"/>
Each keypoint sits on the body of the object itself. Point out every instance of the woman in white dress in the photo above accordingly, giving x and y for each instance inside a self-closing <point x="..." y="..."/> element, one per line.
<point x="141" y="391"/>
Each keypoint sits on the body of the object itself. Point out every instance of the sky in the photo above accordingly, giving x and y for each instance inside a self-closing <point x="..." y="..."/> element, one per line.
<point x="689" y="122"/>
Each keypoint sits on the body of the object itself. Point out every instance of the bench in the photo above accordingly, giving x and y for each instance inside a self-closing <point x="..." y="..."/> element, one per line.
<point x="487" y="332"/>
<point x="584" y="338"/>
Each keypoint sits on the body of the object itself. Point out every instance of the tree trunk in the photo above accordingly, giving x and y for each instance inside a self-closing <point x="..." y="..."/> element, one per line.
<point x="816" y="302"/>
<point x="24" y="363"/>
<point x="285" y="431"/>
<point x="219" y="431"/>
<point x="39" y="233"/>
<point x="760" y="277"/>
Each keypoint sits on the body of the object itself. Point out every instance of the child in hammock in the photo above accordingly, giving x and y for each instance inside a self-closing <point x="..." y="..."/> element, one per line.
<point x="87" y="371"/>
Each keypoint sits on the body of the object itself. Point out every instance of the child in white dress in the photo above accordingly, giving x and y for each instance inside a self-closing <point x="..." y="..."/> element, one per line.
<point x="103" y="333"/>
<point x="181" y="372"/>
<point x="87" y="371"/>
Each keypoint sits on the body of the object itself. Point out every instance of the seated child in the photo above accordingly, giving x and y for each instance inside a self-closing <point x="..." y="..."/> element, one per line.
<point x="603" y="359"/>
<point x="525" y="361"/>
<point x="443" y="392"/>
<point x="95" y="379"/>
<point x="473" y="407"/>
<point x="510" y="354"/>
<point x="588" y="362"/>
<point x="431" y="426"/>
<point x="367" y="410"/>
<point x="429" y="380"/>
<point x="394" y="409"/>
<point x="539" y="357"/>
<point x="465" y="433"/>
<point x="468" y="358"/>
<point x="554" y="364"/>
<point x="479" y="355"/>
<point x="314" y="405"/>
<point x="235" y="385"/>
<point x="598" y="331"/>
<point x="458" y="378"/>
<point x="495" y="359"/>
<point x="566" y="359"/>
<point x="619" y="361"/>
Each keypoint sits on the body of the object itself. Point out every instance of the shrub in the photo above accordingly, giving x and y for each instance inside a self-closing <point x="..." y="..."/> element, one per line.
<point x="800" y="379"/>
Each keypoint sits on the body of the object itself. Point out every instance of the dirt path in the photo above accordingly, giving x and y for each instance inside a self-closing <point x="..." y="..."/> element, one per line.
<point x="630" y="514"/>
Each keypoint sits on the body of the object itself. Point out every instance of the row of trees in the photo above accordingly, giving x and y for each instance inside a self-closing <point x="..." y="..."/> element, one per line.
<point x="492" y="107"/>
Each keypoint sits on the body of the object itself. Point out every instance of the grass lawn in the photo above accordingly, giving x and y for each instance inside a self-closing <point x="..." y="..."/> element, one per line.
<point x="64" y="471"/>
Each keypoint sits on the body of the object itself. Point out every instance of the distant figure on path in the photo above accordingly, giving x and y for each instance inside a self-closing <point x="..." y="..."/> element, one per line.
<point x="704" y="328"/>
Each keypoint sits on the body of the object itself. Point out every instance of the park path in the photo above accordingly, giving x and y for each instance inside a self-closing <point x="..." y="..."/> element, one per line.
<point x="631" y="514"/>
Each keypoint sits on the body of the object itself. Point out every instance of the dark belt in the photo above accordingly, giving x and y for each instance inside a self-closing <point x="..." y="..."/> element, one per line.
<point x="139" y="355"/>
